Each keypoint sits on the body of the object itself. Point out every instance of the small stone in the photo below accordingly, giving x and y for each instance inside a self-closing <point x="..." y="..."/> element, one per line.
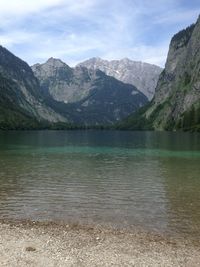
<point x="30" y="249"/>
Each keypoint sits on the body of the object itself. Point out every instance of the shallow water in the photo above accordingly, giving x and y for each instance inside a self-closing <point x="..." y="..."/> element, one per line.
<point x="145" y="179"/>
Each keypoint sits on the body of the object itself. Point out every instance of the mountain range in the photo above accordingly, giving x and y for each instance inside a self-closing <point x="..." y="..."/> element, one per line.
<point x="90" y="96"/>
<point x="142" y="75"/>
<point x="53" y="92"/>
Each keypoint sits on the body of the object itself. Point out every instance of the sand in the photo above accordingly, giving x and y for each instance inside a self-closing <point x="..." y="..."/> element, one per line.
<point x="47" y="244"/>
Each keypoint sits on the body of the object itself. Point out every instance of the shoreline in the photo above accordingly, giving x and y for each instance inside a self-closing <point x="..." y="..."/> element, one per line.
<point x="29" y="243"/>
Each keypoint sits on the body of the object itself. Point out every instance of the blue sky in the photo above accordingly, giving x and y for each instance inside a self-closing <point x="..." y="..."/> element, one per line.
<point x="75" y="30"/>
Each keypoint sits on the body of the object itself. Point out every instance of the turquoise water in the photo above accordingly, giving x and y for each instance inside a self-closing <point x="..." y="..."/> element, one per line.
<point x="145" y="179"/>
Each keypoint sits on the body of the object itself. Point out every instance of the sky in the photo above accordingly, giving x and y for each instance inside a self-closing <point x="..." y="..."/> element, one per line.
<point x="75" y="30"/>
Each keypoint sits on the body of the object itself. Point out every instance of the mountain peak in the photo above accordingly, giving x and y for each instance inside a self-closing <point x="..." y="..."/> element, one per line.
<point x="56" y="62"/>
<point x="125" y="59"/>
<point x="94" y="60"/>
<point x="144" y="76"/>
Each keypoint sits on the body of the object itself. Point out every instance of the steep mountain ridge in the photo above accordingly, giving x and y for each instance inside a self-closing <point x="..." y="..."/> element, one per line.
<point x="90" y="96"/>
<point x="11" y="114"/>
<point x="60" y="94"/>
<point x="20" y="92"/>
<point x="143" y="76"/>
<point x="176" y="104"/>
<point x="62" y="82"/>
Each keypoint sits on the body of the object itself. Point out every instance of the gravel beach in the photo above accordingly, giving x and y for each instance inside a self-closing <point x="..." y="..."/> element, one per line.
<point x="47" y="244"/>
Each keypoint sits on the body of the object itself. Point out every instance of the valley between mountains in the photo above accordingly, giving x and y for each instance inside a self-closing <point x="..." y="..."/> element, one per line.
<point x="99" y="93"/>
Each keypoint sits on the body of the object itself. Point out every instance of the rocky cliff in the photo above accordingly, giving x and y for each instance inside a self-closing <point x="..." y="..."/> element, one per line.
<point x="176" y="104"/>
<point x="60" y="94"/>
<point x="21" y="100"/>
<point x="62" y="82"/>
<point x="142" y="75"/>
<point x="90" y="96"/>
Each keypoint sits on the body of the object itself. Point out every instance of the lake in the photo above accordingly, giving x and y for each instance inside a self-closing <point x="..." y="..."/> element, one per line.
<point x="119" y="178"/>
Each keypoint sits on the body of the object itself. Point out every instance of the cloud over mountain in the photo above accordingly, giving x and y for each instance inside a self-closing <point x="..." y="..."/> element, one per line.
<point x="77" y="30"/>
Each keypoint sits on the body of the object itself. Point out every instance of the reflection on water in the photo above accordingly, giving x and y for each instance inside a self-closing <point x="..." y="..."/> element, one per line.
<point x="123" y="178"/>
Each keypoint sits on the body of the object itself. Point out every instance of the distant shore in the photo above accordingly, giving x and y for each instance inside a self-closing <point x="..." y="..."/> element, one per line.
<point x="49" y="244"/>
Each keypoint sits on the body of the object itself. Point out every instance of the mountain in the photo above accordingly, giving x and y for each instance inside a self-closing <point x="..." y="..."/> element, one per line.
<point x="59" y="94"/>
<point x="176" y="104"/>
<point x="11" y="113"/>
<point x="88" y="97"/>
<point x="21" y="102"/>
<point x="62" y="82"/>
<point x="143" y="76"/>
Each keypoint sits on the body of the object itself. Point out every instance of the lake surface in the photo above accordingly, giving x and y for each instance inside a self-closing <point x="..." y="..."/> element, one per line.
<point x="145" y="179"/>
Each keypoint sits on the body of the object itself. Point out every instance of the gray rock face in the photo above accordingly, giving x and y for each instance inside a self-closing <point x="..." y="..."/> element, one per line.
<point x="24" y="92"/>
<point x="64" y="84"/>
<point x="90" y="96"/>
<point x="177" y="94"/>
<point x="58" y="93"/>
<point x="144" y="76"/>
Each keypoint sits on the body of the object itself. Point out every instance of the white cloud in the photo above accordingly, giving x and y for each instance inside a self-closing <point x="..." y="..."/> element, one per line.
<point x="25" y="8"/>
<point x="77" y="29"/>
<point x="16" y="37"/>
<point x="79" y="6"/>
<point x="174" y="17"/>
<point x="150" y="54"/>
<point x="16" y="7"/>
